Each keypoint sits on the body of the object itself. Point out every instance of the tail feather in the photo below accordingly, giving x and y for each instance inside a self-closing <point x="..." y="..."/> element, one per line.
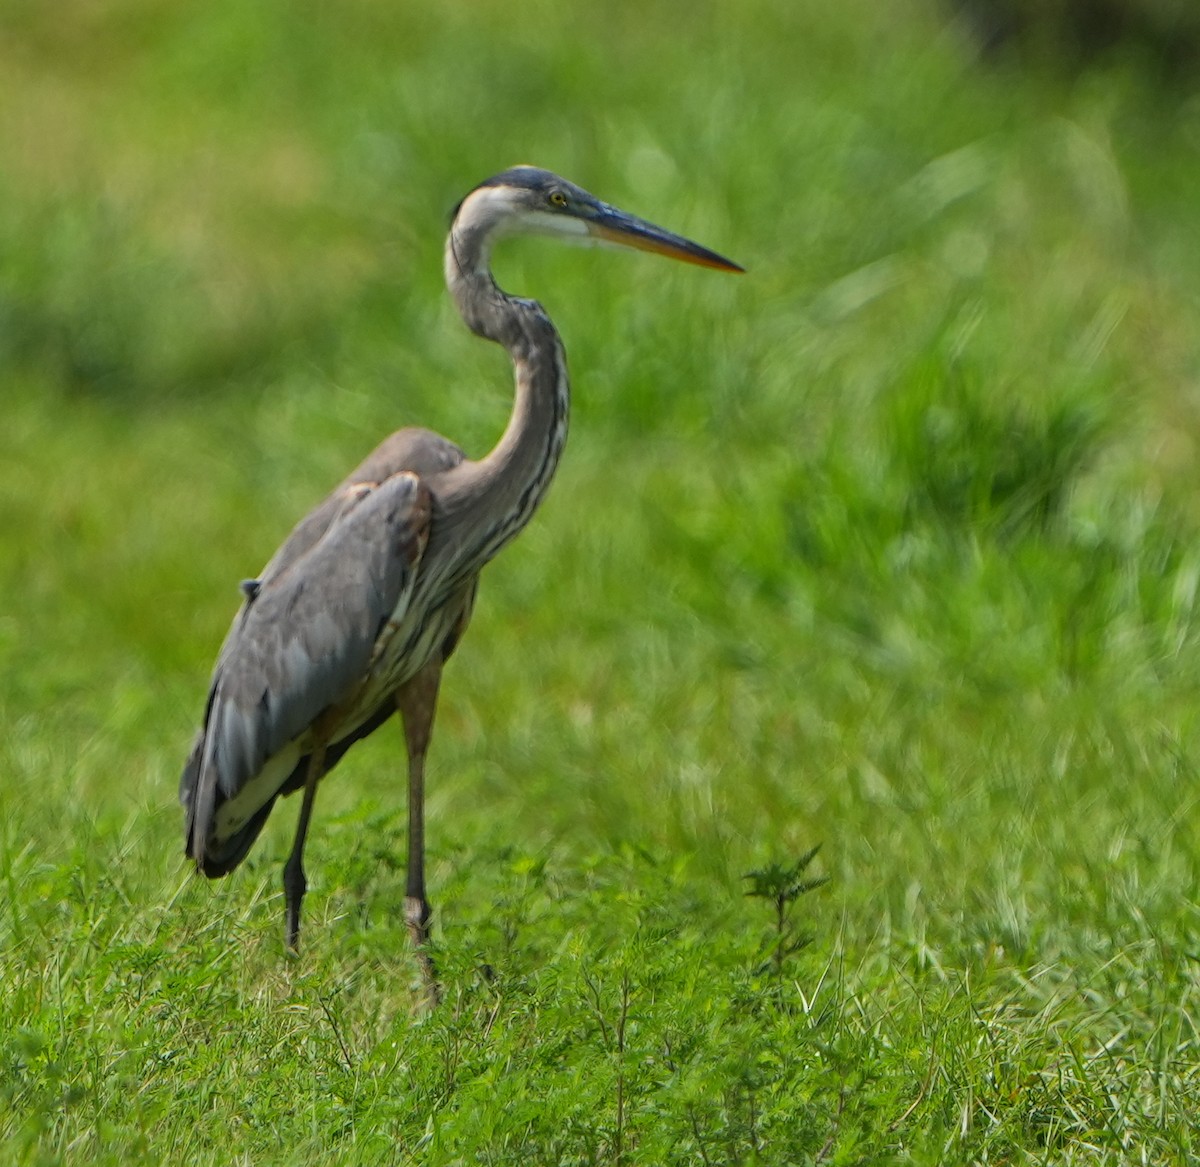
<point x="216" y="857"/>
<point x="220" y="857"/>
<point x="213" y="857"/>
<point x="188" y="782"/>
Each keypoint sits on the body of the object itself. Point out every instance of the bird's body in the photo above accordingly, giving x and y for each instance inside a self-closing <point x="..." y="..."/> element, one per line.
<point x="355" y="615"/>
<point x="355" y="654"/>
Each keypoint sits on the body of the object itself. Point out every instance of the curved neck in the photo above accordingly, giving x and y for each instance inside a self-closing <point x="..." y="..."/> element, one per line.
<point x="491" y="500"/>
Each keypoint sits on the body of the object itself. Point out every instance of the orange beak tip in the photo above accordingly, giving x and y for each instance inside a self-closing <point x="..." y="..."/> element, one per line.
<point x="671" y="247"/>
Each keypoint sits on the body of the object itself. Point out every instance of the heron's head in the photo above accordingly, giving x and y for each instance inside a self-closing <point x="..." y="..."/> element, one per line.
<point x="527" y="200"/>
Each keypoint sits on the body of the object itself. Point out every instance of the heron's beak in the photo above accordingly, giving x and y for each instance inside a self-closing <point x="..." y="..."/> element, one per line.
<point x="608" y="225"/>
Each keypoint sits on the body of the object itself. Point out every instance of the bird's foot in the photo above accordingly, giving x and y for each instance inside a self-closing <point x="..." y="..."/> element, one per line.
<point x="416" y="917"/>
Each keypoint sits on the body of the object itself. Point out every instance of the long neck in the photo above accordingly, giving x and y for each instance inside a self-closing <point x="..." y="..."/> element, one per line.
<point x="491" y="500"/>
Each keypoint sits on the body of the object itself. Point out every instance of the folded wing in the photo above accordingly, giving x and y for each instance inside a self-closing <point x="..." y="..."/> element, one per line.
<point x="300" y="646"/>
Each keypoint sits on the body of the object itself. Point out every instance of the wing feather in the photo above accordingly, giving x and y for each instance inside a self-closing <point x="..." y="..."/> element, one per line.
<point x="303" y="641"/>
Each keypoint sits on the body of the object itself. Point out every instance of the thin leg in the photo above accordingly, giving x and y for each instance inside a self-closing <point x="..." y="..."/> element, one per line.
<point x="416" y="906"/>
<point x="417" y="701"/>
<point x="294" y="883"/>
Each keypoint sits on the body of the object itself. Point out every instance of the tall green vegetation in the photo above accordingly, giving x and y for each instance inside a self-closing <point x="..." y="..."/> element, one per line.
<point x="889" y="547"/>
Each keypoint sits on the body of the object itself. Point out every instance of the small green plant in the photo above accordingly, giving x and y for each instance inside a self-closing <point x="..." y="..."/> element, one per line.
<point x="783" y="884"/>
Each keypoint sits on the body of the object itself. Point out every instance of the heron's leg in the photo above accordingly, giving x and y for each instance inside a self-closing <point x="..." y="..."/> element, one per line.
<point x="294" y="883"/>
<point x="417" y="702"/>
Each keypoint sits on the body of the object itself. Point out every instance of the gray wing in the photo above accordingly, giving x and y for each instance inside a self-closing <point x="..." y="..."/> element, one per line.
<point x="303" y="639"/>
<point x="421" y="451"/>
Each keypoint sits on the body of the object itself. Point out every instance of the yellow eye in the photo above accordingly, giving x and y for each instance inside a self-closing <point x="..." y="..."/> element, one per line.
<point x="557" y="198"/>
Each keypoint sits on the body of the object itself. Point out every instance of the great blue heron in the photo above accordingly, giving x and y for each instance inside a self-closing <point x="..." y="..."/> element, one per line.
<point x="355" y="615"/>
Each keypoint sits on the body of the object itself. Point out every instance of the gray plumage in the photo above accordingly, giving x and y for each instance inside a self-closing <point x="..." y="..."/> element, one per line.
<point x="304" y="637"/>
<point x="301" y="644"/>
<point x="356" y="613"/>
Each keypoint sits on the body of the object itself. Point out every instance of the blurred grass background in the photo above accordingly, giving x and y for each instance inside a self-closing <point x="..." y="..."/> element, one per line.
<point x="889" y="545"/>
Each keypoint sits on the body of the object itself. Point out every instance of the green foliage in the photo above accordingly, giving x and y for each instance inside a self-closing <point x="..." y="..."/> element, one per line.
<point x="890" y="543"/>
<point x="782" y="884"/>
<point x="1070" y="32"/>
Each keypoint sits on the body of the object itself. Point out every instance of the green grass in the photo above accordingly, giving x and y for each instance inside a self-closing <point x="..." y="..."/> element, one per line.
<point x="889" y="546"/>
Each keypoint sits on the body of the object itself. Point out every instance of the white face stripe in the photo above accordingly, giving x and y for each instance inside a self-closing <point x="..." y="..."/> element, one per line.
<point x="548" y="223"/>
<point x="486" y="209"/>
<point x="493" y="212"/>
